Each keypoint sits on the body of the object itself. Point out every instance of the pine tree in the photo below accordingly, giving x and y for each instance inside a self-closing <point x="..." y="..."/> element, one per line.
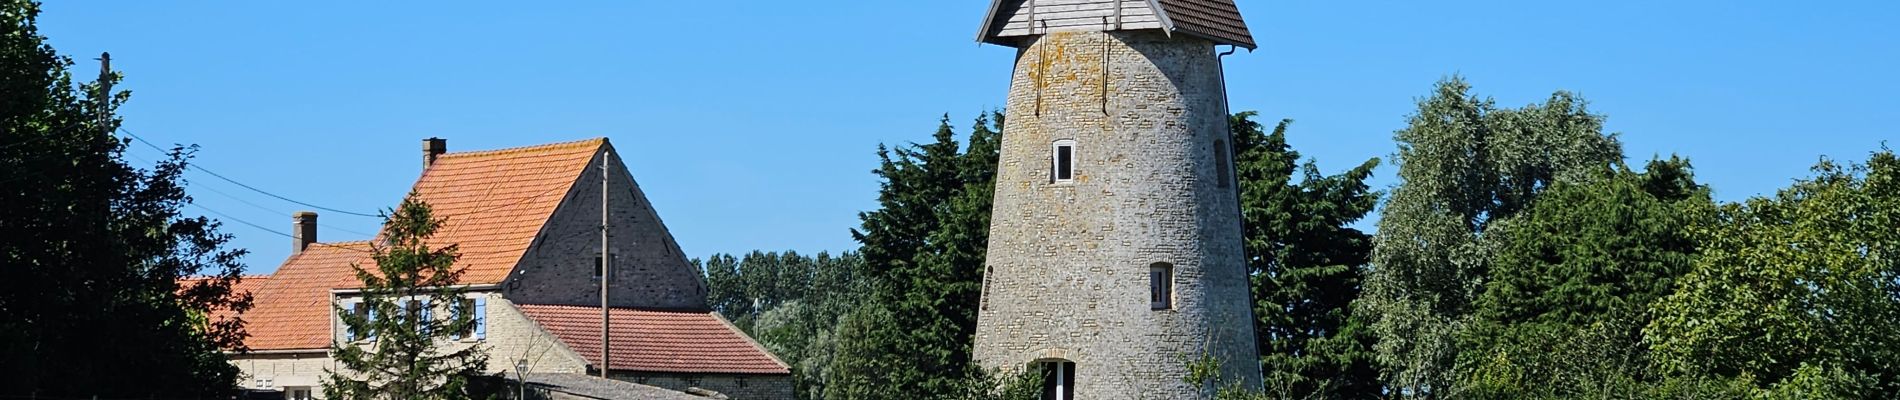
<point x="400" y="348"/>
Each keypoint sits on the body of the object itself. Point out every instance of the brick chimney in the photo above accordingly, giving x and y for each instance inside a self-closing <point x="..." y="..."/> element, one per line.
<point x="432" y="148"/>
<point x="303" y="230"/>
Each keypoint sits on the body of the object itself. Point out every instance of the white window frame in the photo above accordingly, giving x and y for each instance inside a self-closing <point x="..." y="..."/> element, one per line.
<point x="1056" y="169"/>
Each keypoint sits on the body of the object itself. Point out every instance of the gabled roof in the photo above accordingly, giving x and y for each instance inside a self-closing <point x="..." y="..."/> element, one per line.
<point x="658" y="340"/>
<point x="495" y="203"/>
<point x="1215" y="20"/>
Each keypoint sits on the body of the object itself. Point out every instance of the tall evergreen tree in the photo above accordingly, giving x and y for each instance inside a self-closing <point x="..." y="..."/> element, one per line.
<point x="1463" y="164"/>
<point x="92" y="249"/>
<point x="923" y="249"/>
<point x="1307" y="263"/>
<point x="407" y="349"/>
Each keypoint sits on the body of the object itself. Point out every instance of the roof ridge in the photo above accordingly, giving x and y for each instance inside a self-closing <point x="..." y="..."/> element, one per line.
<point x="545" y="146"/>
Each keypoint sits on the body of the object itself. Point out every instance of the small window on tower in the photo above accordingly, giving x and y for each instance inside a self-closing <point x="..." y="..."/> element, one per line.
<point x="1222" y="170"/>
<point x="1161" y="286"/>
<point x="1062" y="164"/>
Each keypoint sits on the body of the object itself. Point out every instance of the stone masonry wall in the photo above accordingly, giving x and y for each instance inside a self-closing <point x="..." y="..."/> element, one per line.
<point x="648" y="268"/>
<point x="1067" y="270"/>
<point x="736" y="387"/>
<point x="510" y="336"/>
<point x="281" y="371"/>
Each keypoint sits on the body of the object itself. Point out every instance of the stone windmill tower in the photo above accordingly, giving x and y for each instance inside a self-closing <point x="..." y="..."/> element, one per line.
<point x="1115" y="245"/>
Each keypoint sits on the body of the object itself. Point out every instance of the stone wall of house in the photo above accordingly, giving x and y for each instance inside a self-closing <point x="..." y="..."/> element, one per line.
<point x="513" y="336"/>
<point x="648" y="268"/>
<point x="283" y="370"/>
<point x="1067" y="269"/>
<point x="510" y="336"/>
<point x="734" y="386"/>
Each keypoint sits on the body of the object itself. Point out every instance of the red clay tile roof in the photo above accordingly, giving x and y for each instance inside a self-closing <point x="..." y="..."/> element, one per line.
<point x="292" y="308"/>
<point x="658" y="341"/>
<point x="495" y="202"/>
<point x="246" y="283"/>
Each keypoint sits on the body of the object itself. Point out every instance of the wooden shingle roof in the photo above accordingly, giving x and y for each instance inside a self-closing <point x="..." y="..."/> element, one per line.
<point x="1215" y="20"/>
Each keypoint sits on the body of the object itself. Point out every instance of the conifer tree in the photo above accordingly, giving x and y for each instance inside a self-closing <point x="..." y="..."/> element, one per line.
<point x="1307" y="263"/>
<point x="923" y="250"/>
<point x="399" y="346"/>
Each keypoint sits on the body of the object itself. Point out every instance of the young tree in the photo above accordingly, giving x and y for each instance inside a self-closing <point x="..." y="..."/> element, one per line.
<point x="92" y="249"/>
<point x="923" y="250"/>
<point x="406" y="350"/>
<point x="1307" y="263"/>
<point x="1463" y="164"/>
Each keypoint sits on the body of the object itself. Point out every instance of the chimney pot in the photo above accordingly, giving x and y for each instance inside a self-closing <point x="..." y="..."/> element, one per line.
<point x="432" y="148"/>
<point x="303" y="230"/>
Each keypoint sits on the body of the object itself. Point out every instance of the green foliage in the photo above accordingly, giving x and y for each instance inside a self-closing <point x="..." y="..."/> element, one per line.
<point x="802" y="299"/>
<point x="923" y="251"/>
<point x="92" y="249"/>
<point x="1463" y="164"/>
<point x="1572" y="279"/>
<point x="1307" y="263"/>
<point x="1800" y="292"/>
<point x="407" y="348"/>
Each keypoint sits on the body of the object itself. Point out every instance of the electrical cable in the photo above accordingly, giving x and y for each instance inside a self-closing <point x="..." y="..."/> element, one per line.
<point x="252" y="188"/>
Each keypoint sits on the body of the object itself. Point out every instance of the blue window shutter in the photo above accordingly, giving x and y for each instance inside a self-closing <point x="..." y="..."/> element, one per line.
<point x="349" y="334"/>
<point x="428" y="316"/>
<point x="370" y="333"/>
<point x="481" y="318"/>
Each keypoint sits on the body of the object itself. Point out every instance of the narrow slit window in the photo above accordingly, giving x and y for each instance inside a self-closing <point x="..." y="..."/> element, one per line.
<point x="1062" y="162"/>
<point x="1161" y="286"/>
<point x="1223" y="171"/>
<point x="599" y="268"/>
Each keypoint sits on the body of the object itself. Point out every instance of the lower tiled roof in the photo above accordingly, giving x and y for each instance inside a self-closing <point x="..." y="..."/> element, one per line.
<point x="291" y="310"/>
<point x="658" y="340"/>
<point x="602" y="388"/>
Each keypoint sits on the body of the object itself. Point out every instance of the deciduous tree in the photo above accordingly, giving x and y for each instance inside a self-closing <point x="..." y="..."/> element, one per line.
<point x="92" y="248"/>
<point x="1463" y="164"/>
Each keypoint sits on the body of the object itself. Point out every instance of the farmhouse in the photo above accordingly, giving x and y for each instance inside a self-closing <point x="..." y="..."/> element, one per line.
<point x="528" y="222"/>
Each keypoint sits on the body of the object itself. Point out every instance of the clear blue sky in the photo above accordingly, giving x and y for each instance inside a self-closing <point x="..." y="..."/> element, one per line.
<point x="752" y="124"/>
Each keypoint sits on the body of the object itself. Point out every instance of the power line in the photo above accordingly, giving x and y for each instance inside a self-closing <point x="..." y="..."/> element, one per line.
<point x="272" y="231"/>
<point x="241" y="184"/>
<point x="274" y="211"/>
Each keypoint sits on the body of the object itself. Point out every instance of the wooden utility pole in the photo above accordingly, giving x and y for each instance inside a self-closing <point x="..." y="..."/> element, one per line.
<point x="606" y="259"/>
<point x="105" y="88"/>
